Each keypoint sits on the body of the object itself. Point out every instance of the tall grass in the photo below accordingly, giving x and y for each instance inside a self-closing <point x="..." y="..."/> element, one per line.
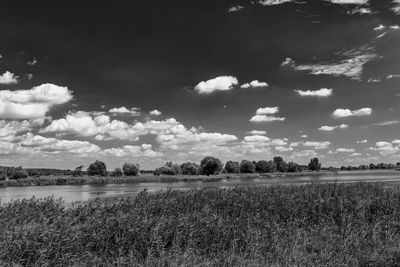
<point x="325" y="224"/>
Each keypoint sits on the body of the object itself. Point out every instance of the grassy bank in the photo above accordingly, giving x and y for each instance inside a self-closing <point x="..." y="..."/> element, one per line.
<point x="148" y="178"/>
<point x="326" y="224"/>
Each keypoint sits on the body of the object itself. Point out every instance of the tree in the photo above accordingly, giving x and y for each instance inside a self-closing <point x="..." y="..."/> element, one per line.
<point x="189" y="168"/>
<point x="19" y="174"/>
<point x="314" y="164"/>
<point x="281" y="165"/>
<point x="210" y="165"/>
<point x="78" y="171"/>
<point x="231" y="167"/>
<point x="130" y="169"/>
<point x="293" y="167"/>
<point x="97" y="168"/>
<point x="247" y="166"/>
<point x="169" y="169"/>
<point x="117" y="172"/>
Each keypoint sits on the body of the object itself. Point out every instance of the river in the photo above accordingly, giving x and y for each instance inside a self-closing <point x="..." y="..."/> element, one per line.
<point x="72" y="193"/>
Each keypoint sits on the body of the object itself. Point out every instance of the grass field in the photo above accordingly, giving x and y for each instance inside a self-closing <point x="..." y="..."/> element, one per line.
<point x="145" y="178"/>
<point x="327" y="224"/>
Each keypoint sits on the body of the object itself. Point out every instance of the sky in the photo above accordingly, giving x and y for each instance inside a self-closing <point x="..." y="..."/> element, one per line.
<point x="154" y="81"/>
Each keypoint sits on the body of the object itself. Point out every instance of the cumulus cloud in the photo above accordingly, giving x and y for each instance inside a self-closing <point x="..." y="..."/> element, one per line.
<point x="235" y="8"/>
<point x="362" y="141"/>
<point x="32" y="103"/>
<point x="155" y="112"/>
<point x="265" y="118"/>
<point x="331" y="128"/>
<point x="345" y="150"/>
<point x="257" y="132"/>
<point x="386" y="148"/>
<point x="8" y="78"/>
<point x="396" y="7"/>
<point x="123" y="110"/>
<point x="144" y="150"/>
<point x="323" y="92"/>
<point x="221" y="83"/>
<point x="317" y="145"/>
<point x="33" y="62"/>
<point x="343" y="113"/>
<point x="254" y="84"/>
<point x="361" y="11"/>
<point x="267" y="110"/>
<point x="386" y="123"/>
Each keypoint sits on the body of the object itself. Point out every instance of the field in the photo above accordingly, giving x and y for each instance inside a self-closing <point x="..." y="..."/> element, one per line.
<point x="326" y="224"/>
<point x="145" y="178"/>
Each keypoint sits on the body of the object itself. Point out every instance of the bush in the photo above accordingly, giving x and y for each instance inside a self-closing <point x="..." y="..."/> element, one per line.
<point x="232" y="167"/>
<point x="130" y="169"/>
<point x="189" y="168"/>
<point x="247" y="167"/>
<point x="169" y="169"/>
<point x="210" y="165"/>
<point x="262" y="166"/>
<point x="78" y="171"/>
<point x="293" y="167"/>
<point x="19" y="174"/>
<point x="117" y="172"/>
<point x="97" y="168"/>
<point x="314" y="164"/>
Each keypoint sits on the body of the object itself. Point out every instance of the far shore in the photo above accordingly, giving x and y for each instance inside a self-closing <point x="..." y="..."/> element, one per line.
<point x="148" y="178"/>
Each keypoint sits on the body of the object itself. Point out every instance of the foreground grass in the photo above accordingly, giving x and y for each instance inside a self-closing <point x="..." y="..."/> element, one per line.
<point x="325" y="224"/>
<point x="147" y="178"/>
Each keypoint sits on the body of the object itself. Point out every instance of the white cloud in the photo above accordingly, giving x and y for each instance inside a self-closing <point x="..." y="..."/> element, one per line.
<point x="343" y="113"/>
<point x="155" y="112"/>
<point x="257" y="132"/>
<point x="283" y="148"/>
<point x="254" y="84"/>
<point x="386" y="123"/>
<point x="8" y="78"/>
<point x="361" y="10"/>
<point x="331" y="128"/>
<point x="351" y="66"/>
<point x="123" y="110"/>
<point x="265" y="118"/>
<point x="355" y="155"/>
<point x="144" y="150"/>
<point x="235" y="8"/>
<point x="386" y="148"/>
<point x="345" y="150"/>
<point x="393" y="76"/>
<point x="288" y="62"/>
<point x="349" y="2"/>
<point x="33" y="62"/>
<point x="267" y="111"/>
<point x="32" y="103"/>
<point x="396" y="7"/>
<point x="362" y="141"/>
<point x="380" y="27"/>
<point x="221" y="83"/>
<point x="304" y="136"/>
<point x="323" y="92"/>
<point x="274" y="2"/>
<point x="256" y="138"/>
<point x="317" y="145"/>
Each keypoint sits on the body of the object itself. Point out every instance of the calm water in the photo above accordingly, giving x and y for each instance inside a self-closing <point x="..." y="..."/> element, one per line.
<point x="71" y="193"/>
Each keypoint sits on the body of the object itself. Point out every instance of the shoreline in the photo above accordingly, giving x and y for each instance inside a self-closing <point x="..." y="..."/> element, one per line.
<point x="92" y="180"/>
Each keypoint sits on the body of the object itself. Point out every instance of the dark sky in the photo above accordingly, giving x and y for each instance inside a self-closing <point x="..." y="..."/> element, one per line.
<point x="154" y="54"/>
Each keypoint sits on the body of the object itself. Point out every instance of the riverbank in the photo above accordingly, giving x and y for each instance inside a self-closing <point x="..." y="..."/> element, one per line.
<point x="94" y="180"/>
<point x="309" y="225"/>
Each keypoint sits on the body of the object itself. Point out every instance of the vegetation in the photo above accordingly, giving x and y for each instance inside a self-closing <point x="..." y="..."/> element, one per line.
<point x="231" y="167"/>
<point x="130" y="169"/>
<point x="314" y="164"/>
<point x="264" y="166"/>
<point x="117" y="173"/>
<point x="169" y="169"/>
<point x="97" y="168"/>
<point x="312" y="225"/>
<point x="210" y="165"/>
<point x="190" y="168"/>
<point x="247" y="167"/>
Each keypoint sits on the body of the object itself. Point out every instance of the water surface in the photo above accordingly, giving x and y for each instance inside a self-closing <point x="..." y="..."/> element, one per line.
<point x="72" y="193"/>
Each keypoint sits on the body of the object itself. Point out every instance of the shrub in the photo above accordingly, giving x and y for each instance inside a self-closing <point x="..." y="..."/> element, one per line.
<point x="262" y="166"/>
<point x="117" y="172"/>
<point x="19" y="174"/>
<point x="169" y="169"/>
<point x="247" y="166"/>
<point x="314" y="164"/>
<point x="231" y="167"/>
<point x="210" y="165"/>
<point x="130" y="169"/>
<point x="293" y="167"/>
<point x="97" y="168"/>
<point x="77" y="171"/>
<point x="190" y="168"/>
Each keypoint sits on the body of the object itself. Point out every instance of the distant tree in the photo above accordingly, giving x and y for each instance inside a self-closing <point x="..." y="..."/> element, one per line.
<point x="130" y="169"/>
<point x="363" y="167"/>
<point x="398" y="164"/>
<point x="78" y="171"/>
<point x="210" y="165"/>
<point x="117" y="172"/>
<point x="372" y="166"/>
<point x="314" y="164"/>
<point x="247" y="167"/>
<point x="19" y="174"/>
<point x="231" y="167"/>
<point x="293" y="167"/>
<point x="169" y="169"/>
<point x="261" y="166"/>
<point x="281" y="165"/>
<point x="3" y="174"/>
<point x="97" y="168"/>
<point x="189" y="168"/>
